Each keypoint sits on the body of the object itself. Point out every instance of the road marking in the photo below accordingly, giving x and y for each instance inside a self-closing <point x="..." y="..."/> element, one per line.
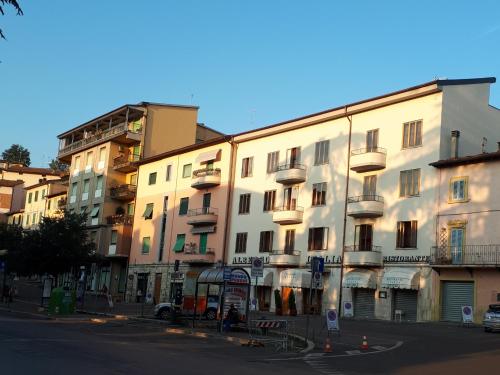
<point x="379" y="347"/>
<point x="315" y="355"/>
<point x="353" y="352"/>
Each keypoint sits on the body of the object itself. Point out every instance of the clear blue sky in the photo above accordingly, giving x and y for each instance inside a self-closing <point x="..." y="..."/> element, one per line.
<point x="245" y="63"/>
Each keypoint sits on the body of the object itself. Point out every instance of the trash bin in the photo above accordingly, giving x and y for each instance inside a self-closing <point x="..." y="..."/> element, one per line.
<point x="62" y="301"/>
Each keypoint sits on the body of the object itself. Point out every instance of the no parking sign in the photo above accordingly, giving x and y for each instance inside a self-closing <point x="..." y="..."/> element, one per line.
<point x="332" y="320"/>
<point x="467" y="314"/>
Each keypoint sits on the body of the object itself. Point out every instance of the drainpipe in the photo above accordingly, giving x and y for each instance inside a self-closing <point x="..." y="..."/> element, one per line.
<point x="229" y="201"/>
<point x="349" y="118"/>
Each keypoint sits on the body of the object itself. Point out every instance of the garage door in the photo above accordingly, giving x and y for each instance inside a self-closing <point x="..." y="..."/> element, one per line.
<point x="406" y="301"/>
<point x="364" y="303"/>
<point x="454" y="296"/>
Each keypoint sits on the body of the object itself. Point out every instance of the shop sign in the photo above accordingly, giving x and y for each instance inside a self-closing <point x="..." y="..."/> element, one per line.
<point x="329" y="259"/>
<point x="406" y="259"/>
<point x="348" y="310"/>
<point x="332" y="321"/>
<point x="248" y="260"/>
<point x="467" y="314"/>
<point x="239" y="277"/>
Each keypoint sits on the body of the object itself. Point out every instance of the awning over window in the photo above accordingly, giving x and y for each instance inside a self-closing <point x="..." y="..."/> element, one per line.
<point x="360" y="278"/>
<point x="179" y="244"/>
<point x="205" y="229"/>
<point x="95" y="212"/>
<point x="401" y="278"/>
<point x="295" y="278"/>
<point x="207" y="156"/>
<point x="148" y="212"/>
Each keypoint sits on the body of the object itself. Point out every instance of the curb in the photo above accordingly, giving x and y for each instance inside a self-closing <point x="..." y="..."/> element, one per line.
<point x="26" y="313"/>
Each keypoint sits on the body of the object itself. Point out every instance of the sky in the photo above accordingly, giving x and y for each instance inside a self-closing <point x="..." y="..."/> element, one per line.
<point x="246" y="64"/>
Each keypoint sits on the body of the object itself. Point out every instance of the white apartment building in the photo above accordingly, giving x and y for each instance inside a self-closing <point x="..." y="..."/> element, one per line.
<point x="353" y="185"/>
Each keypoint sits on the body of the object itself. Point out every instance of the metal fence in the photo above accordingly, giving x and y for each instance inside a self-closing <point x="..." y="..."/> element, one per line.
<point x="270" y="332"/>
<point x="475" y="255"/>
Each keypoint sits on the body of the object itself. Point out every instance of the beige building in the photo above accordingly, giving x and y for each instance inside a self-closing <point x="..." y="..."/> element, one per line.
<point x="103" y="174"/>
<point x="45" y="199"/>
<point x="466" y="258"/>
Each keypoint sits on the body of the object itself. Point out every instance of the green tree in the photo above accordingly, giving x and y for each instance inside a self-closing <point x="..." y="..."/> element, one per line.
<point x="11" y="237"/>
<point x="58" y="166"/>
<point x="17" y="154"/>
<point x="15" y="5"/>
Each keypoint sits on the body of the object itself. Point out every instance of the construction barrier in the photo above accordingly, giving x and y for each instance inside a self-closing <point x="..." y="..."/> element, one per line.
<point x="269" y="332"/>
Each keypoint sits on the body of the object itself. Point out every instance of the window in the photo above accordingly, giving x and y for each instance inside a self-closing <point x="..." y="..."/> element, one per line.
<point x="114" y="237"/>
<point x="363" y="235"/>
<point x="266" y="241"/>
<point x="289" y="241"/>
<point x="370" y="187"/>
<point x="36" y="196"/>
<point x="86" y="188"/>
<point x="318" y="239"/>
<point x="95" y="211"/>
<point x="98" y="186"/>
<point x="148" y="211"/>
<point x="183" y="206"/>
<point x="146" y="245"/>
<point x="30" y="197"/>
<point x="33" y="221"/>
<point x="130" y="208"/>
<point x="48" y="204"/>
<point x="371" y="140"/>
<point x="269" y="200"/>
<point x="74" y="188"/>
<point x="409" y="183"/>
<point x="241" y="242"/>
<point x="319" y="194"/>
<point x="321" y="151"/>
<point x="244" y="204"/>
<point x="102" y="154"/>
<point x="246" y="167"/>
<point x="27" y="219"/>
<point x="169" y="172"/>
<point x="152" y="178"/>
<point x="43" y="193"/>
<point x="90" y="160"/>
<point x="407" y="234"/>
<point x="412" y="134"/>
<point x="186" y="171"/>
<point x="77" y="164"/>
<point x="293" y="157"/>
<point x="459" y="189"/>
<point x="133" y="179"/>
<point x="179" y="243"/>
<point x="272" y="161"/>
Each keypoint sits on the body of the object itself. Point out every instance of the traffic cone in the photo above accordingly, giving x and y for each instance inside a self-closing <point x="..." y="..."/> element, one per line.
<point x="364" y="344"/>
<point x="328" y="346"/>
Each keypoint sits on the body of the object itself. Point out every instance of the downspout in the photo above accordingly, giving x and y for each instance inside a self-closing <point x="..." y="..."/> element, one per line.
<point x="229" y="201"/>
<point x="349" y="118"/>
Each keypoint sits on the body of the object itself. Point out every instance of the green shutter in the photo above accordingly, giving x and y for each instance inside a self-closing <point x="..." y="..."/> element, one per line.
<point x="179" y="243"/>
<point x="203" y="243"/>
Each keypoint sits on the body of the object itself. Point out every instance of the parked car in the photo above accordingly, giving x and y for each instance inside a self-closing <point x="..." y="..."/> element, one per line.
<point x="491" y="320"/>
<point x="164" y="310"/>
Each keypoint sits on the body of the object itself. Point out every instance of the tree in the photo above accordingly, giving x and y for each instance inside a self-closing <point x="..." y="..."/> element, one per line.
<point x="17" y="154"/>
<point x="11" y="237"/>
<point x="58" y="166"/>
<point x="16" y="6"/>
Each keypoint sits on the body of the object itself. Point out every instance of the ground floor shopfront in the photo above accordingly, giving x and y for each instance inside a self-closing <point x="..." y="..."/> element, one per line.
<point x="456" y="286"/>
<point x="396" y="292"/>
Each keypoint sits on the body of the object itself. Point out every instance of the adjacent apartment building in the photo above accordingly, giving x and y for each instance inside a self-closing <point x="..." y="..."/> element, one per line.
<point x="353" y="185"/>
<point x="102" y="154"/>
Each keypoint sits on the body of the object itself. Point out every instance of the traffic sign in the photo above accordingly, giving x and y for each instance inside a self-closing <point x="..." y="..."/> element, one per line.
<point x="257" y="267"/>
<point x="317" y="280"/>
<point x="318" y="264"/>
<point x="227" y="274"/>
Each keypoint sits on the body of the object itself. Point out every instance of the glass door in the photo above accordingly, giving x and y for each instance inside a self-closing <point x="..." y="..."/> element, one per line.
<point x="363" y="237"/>
<point x="371" y="140"/>
<point x="456" y="244"/>
<point x="293" y="156"/>
<point x="290" y="241"/>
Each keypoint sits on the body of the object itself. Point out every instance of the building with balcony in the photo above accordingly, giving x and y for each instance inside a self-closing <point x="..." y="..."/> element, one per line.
<point x="103" y="154"/>
<point x="180" y="217"/>
<point x="360" y="174"/>
<point x="466" y="255"/>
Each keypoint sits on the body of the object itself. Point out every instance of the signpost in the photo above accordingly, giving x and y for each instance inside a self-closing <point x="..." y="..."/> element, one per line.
<point x="317" y="268"/>
<point x="348" y="310"/>
<point x="467" y="315"/>
<point x="256" y="271"/>
<point x="332" y="320"/>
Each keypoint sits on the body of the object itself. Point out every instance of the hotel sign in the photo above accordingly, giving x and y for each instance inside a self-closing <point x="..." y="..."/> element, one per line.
<point x="407" y="259"/>
<point x="248" y="260"/>
<point x="329" y="259"/>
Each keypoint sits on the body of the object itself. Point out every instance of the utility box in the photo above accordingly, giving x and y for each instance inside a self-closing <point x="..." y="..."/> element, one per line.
<point x="62" y="301"/>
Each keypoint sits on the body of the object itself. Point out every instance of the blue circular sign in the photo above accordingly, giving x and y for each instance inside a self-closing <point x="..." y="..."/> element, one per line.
<point x="332" y="315"/>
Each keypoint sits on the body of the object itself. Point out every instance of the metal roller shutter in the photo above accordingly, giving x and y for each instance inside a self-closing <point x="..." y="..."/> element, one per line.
<point x="406" y="301"/>
<point x="364" y="303"/>
<point x="454" y="296"/>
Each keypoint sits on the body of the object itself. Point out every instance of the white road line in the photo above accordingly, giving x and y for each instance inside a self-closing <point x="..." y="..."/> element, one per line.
<point x="379" y="347"/>
<point x="353" y="352"/>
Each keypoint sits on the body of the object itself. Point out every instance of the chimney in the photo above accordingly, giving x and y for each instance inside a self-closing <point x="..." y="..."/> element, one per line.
<point x="455" y="134"/>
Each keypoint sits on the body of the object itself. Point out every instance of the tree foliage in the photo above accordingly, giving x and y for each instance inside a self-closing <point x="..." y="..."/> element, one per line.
<point x="16" y="7"/>
<point x="17" y="154"/>
<point x="58" y="166"/>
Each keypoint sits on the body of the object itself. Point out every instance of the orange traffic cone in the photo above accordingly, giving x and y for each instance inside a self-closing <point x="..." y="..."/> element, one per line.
<point x="328" y="345"/>
<point x="364" y="344"/>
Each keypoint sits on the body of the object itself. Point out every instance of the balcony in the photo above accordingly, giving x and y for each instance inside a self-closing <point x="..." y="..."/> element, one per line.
<point x="123" y="192"/>
<point x="368" y="159"/>
<point x="291" y="174"/>
<point x="126" y="163"/>
<point x="286" y="258"/>
<point x="194" y="256"/>
<point x="366" y="255"/>
<point x="120" y="133"/>
<point x="61" y="203"/>
<point x="368" y="206"/>
<point x="288" y="215"/>
<point x="205" y="178"/>
<point x="202" y="216"/>
<point x="120" y="220"/>
<point x="466" y="256"/>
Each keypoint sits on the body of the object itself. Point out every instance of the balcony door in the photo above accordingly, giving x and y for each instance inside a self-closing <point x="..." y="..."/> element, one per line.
<point x="206" y="202"/>
<point x="457" y="236"/>
<point x="290" y="198"/>
<point x="289" y="241"/>
<point x="293" y="156"/>
<point x="203" y="243"/>
<point x="370" y="187"/>
<point x="363" y="237"/>
<point x="371" y="140"/>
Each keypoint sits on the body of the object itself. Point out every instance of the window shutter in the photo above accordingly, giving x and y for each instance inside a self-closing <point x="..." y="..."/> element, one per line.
<point x="325" y="238"/>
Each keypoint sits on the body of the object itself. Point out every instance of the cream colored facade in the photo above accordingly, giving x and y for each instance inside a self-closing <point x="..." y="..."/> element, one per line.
<point x="38" y="204"/>
<point x="187" y="193"/>
<point x="389" y="272"/>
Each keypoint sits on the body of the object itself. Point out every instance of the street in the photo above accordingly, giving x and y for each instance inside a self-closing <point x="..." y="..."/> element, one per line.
<point x="33" y="344"/>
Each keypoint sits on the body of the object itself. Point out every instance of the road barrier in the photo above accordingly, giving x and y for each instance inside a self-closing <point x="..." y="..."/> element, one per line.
<point x="272" y="332"/>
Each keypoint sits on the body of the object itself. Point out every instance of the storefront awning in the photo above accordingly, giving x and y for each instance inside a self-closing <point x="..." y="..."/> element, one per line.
<point x="360" y="278"/>
<point x="295" y="278"/>
<point x="401" y="278"/>
<point x="207" y="156"/>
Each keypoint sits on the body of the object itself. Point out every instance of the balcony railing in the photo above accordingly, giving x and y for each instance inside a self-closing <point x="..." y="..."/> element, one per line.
<point x="202" y="216"/>
<point x="466" y="255"/>
<point x="120" y="219"/>
<point x="291" y="173"/>
<point x="365" y="206"/>
<point x="363" y="248"/>
<point x="366" y="150"/>
<point x="98" y="137"/>
<point x="285" y="252"/>
<point x="125" y="161"/>
<point x="206" y="172"/>
<point x="288" y="214"/>
<point x="202" y="211"/>
<point x="366" y="255"/>
<point x="289" y="207"/>
<point x="286" y="167"/>
<point x="364" y="198"/>
<point x="123" y="192"/>
<point x="284" y="257"/>
<point x="368" y="159"/>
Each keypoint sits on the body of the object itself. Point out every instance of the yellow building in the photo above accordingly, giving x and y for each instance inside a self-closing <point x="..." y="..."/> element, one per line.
<point x="43" y="200"/>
